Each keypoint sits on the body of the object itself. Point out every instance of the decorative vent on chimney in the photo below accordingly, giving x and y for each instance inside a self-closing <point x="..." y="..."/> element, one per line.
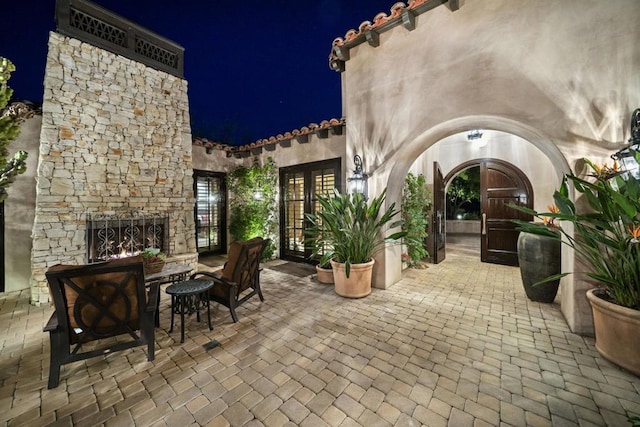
<point x="100" y="27"/>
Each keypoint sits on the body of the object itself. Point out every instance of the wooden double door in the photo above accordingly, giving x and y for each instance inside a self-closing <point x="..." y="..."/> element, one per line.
<point x="501" y="183"/>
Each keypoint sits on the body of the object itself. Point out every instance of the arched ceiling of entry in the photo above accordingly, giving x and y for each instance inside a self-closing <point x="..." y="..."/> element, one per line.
<point x="460" y="126"/>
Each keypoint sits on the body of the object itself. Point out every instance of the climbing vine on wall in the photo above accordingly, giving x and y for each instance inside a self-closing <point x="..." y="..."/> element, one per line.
<point x="253" y="202"/>
<point x="416" y="205"/>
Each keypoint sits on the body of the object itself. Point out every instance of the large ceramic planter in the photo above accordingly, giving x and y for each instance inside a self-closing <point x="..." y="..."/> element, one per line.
<point x="325" y="275"/>
<point x="617" y="332"/>
<point x="539" y="257"/>
<point x="358" y="284"/>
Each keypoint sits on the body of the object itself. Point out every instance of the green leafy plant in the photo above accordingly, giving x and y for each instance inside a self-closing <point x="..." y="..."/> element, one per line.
<point x="9" y="130"/>
<point x="607" y="236"/>
<point x="153" y="255"/>
<point x="351" y="229"/>
<point x="416" y="205"/>
<point x="314" y="238"/>
<point x="464" y="189"/>
<point x="253" y="207"/>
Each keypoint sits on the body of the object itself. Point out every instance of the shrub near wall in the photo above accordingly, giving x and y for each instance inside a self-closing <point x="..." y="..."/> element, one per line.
<point x="253" y="203"/>
<point x="416" y="205"/>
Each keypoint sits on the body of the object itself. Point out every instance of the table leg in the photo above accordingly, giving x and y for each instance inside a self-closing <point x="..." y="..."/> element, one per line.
<point x="209" y="313"/>
<point x="173" y="309"/>
<point x="197" y="304"/>
<point x="182" y="308"/>
<point x="158" y="309"/>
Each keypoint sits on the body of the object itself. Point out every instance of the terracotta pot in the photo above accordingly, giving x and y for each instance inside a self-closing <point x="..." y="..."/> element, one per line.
<point x="358" y="284"/>
<point x="325" y="275"/>
<point x="617" y="332"/>
<point x="539" y="258"/>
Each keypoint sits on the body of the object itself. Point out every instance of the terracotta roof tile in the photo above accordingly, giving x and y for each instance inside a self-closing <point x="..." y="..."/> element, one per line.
<point x="354" y="37"/>
<point x="304" y="130"/>
<point x="364" y="26"/>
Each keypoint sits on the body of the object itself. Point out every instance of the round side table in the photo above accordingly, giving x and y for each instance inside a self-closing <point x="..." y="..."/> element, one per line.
<point x="188" y="297"/>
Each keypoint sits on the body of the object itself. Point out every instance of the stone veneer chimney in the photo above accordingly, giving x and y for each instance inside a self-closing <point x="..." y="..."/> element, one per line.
<point x="115" y="138"/>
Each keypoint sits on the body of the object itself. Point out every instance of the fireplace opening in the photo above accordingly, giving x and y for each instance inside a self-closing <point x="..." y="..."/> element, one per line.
<point x="110" y="237"/>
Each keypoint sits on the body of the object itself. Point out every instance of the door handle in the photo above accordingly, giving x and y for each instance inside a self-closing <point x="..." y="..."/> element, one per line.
<point x="484" y="224"/>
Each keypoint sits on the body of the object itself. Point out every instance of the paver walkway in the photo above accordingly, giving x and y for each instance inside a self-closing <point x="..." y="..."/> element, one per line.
<point x="456" y="344"/>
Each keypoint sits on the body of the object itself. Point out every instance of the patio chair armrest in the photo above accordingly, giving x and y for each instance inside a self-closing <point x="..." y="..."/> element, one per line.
<point x="152" y="297"/>
<point x="52" y="324"/>
<point x="212" y="274"/>
<point x="215" y="276"/>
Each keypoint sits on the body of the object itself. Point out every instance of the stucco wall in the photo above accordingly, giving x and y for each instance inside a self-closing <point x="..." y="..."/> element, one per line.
<point x="19" y="210"/>
<point x="457" y="149"/>
<point x="315" y="149"/>
<point x="559" y="68"/>
<point x="559" y="74"/>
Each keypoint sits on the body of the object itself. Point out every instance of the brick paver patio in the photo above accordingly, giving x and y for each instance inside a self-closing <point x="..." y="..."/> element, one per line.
<point x="456" y="344"/>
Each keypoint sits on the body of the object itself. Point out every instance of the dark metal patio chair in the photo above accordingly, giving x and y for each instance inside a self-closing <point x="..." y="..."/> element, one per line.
<point x="95" y="302"/>
<point x="239" y="279"/>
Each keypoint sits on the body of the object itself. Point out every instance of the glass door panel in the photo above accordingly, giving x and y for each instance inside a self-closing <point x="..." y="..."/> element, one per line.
<point x="210" y="212"/>
<point x="299" y="186"/>
<point x="294" y="214"/>
<point x="323" y="182"/>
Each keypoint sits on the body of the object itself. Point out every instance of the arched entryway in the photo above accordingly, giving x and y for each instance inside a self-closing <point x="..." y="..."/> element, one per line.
<point x="393" y="169"/>
<point x="574" y="305"/>
<point x="501" y="183"/>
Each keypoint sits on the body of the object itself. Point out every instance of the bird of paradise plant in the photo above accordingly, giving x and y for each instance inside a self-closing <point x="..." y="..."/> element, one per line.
<point x="607" y="236"/>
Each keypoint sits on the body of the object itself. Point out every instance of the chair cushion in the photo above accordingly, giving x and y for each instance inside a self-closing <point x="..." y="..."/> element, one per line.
<point x="234" y="254"/>
<point x="122" y="301"/>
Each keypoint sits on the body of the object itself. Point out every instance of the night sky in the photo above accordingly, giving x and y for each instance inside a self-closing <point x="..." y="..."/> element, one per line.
<point x="255" y="68"/>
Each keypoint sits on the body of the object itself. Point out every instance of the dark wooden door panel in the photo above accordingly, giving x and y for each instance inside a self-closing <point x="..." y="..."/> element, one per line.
<point x="499" y="180"/>
<point x="502" y="183"/>
<point x="438" y="216"/>
<point x="502" y="241"/>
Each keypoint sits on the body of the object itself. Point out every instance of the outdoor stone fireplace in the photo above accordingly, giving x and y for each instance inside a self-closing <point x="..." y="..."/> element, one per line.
<point x="115" y="145"/>
<point x="116" y="236"/>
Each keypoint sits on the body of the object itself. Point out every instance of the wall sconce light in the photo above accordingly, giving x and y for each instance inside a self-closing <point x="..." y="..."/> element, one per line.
<point x="357" y="183"/>
<point x="629" y="156"/>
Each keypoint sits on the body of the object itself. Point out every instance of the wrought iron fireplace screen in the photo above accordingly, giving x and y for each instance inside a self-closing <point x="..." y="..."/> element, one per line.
<point x="111" y="237"/>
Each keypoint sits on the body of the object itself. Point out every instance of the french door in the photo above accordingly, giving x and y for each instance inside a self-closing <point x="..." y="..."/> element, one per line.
<point x="299" y="187"/>
<point x="210" y="212"/>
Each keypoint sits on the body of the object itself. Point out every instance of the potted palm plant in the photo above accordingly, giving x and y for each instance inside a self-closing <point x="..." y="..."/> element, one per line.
<point x="607" y="239"/>
<point x="351" y="235"/>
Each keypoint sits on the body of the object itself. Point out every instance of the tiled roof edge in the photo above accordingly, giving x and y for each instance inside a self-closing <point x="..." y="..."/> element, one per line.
<point x="369" y="31"/>
<point x="270" y="143"/>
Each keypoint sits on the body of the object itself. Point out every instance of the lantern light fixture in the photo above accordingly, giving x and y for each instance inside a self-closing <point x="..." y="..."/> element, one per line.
<point x="357" y="183"/>
<point x="629" y="156"/>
